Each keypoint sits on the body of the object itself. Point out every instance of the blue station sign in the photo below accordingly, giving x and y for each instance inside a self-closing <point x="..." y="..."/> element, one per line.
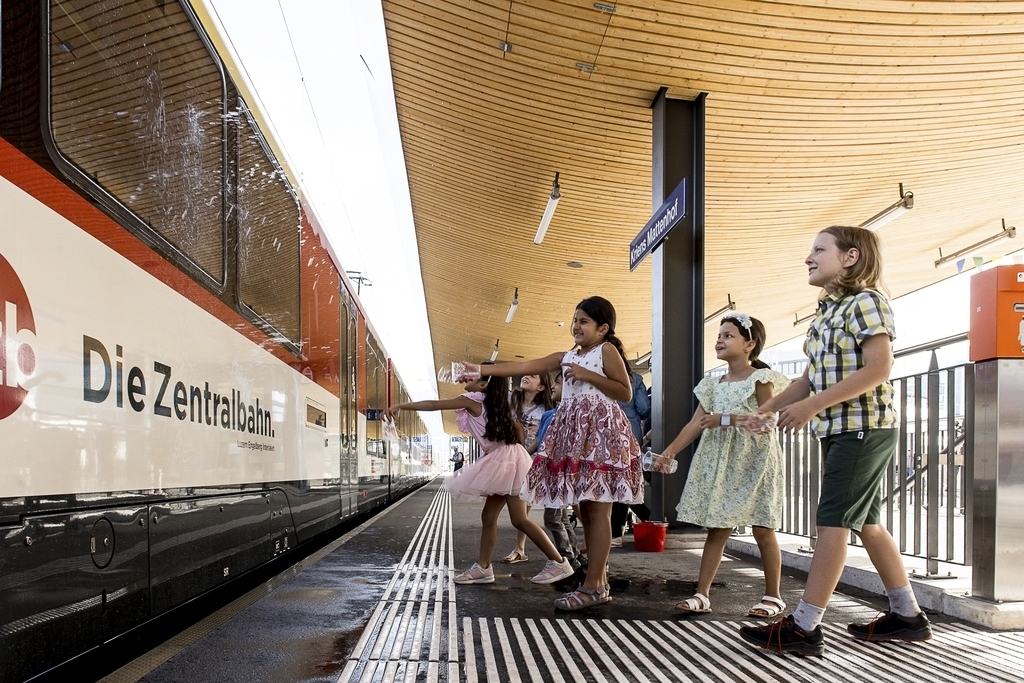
<point x="664" y="219"/>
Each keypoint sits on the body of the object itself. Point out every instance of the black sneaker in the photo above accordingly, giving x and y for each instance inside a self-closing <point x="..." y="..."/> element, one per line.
<point x="892" y="626"/>
<point x="783" y="635"/>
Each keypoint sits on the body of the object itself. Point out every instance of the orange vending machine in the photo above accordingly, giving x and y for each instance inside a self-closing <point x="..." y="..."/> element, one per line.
<point x="997" y="349"/>
<point x="997" y="313"/>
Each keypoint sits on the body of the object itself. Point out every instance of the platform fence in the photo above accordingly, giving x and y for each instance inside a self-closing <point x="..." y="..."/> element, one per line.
<point x="926" y="502"/>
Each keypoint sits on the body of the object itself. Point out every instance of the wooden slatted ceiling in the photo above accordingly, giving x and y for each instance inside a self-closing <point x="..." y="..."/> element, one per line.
<point x="816" y="112"/>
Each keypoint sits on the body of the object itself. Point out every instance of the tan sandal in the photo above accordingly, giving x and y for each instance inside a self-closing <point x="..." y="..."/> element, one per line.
<point x="698" y="604"/>
<point x="515" y="557"/>
<point x="769" y="608"/>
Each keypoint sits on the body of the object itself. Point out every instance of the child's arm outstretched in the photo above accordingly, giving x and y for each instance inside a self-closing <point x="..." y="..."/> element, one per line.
<point x="615" y="386"/>
<point x="474" y="407"/>
<point x="537" y="366"/>
<point x="687" y="434"/>
<point x="876" y="351"/>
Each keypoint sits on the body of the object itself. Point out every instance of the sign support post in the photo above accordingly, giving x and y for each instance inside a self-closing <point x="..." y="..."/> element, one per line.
<point x="677" y="280"/>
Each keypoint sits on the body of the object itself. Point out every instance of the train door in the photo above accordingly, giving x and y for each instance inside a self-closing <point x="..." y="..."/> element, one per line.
<point x="374" y="470"/>
<point x="349" y="429"/>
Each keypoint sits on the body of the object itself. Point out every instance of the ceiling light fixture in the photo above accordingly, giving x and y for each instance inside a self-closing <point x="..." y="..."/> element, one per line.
<point x="604" y="7"/>
<point x="549" y="211"/>
<point x="1006" y="233"/>
<point x="494" y="351"/>
<point x="505" y="46"/>
<point x="731" y="306"/>
<point x="512" y="308"/>
<point x="589" y="68"/>
<point x="906" y="203"/>
<point x="643" y="359"/>
<point x="797" y="320"/>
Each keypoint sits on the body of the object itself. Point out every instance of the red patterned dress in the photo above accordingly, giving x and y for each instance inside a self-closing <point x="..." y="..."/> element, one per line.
<point x="589" y="451"/>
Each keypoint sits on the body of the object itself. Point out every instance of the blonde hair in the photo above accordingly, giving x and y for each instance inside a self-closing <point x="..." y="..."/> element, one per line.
<point x="866" y="273"/>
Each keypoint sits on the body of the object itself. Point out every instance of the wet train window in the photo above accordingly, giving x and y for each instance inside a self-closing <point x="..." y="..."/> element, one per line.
<point x="268" y="235"/>
<point x="376" y="397"/>
<point x="316" y="416"/>
<point x="137" y="118"/>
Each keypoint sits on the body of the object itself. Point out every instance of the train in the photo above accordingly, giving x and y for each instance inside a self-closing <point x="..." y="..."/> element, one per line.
<point x="189" y="385"/>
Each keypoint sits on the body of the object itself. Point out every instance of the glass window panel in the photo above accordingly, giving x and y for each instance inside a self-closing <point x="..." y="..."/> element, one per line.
<point x="376" y="389"/>
<point x="268" y="235"/>
<point x="137" y="106"/>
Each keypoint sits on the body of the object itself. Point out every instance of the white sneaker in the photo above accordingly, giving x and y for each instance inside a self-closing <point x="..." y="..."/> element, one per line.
<point x="554" y="571"/>
<point x="617" y="542"/>
<point x="475" y="574"/>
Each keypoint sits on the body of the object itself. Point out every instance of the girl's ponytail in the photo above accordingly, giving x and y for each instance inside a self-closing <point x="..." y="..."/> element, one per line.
<point x="617" y="343"/>
<point x="500" y="428"/>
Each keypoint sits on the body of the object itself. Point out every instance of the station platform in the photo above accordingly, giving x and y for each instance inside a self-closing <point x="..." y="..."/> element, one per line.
<point x="379" y="604"/>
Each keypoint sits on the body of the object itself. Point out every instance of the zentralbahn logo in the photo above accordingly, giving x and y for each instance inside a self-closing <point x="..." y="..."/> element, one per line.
<point x="17" y="332"/>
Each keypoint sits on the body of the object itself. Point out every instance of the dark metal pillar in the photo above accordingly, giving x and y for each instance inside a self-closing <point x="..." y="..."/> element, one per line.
<point x="677" y="278"/>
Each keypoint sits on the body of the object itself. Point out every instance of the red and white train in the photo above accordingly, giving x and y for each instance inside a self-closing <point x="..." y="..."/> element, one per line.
<point x="188" y="386"/>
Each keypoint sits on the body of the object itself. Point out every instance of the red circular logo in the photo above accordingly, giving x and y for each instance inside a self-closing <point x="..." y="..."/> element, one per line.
<point x="17" y="331"/>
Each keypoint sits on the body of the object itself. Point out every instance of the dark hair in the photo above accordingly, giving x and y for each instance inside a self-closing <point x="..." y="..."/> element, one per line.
<point x="543" y="397"/>
<point x="755" y="334"/>
<point x="601" y="311"/>
<point x="500" y="427"/>
<point x="866" y="273"/>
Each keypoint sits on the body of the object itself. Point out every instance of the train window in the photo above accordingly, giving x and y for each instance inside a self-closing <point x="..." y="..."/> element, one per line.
<point x="376" y="396"/>
<point x="316" y="416"/>
<point x="268" y="236"/>
<point x="137" y="118"/>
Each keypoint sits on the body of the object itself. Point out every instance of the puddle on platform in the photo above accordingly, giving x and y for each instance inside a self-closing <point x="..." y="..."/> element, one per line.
<point x="326" y="655"/>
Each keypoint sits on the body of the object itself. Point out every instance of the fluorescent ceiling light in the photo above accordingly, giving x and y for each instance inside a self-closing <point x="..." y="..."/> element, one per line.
<point x="549" y="211"/>
<point x="511" y="311"/>
<point x="643" y="359"/>
<point x="494" y="352"/>
<point x="1006" y="233"/>
<point x="906" y="203"/>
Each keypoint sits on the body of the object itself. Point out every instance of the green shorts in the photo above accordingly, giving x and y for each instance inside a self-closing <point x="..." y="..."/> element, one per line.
<point x="854" y="465"/>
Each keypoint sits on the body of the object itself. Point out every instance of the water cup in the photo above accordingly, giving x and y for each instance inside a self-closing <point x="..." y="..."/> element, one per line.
<point x="762" y="423"/>
<point x="455" y="373"/>
<point x="650" y="463"/>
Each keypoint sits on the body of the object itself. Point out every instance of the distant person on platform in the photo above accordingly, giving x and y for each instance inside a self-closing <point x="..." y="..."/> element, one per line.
<point x="458" y="459"/>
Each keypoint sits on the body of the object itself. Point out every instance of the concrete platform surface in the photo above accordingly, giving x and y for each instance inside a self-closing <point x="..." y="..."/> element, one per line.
<point x="379" y="605"/>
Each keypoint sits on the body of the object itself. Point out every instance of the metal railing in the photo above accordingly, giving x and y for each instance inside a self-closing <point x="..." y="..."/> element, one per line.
<point x="926" y="502"/>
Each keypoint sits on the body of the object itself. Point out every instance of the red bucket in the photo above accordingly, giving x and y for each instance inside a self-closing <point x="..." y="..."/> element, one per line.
<point x="649" y="537"/>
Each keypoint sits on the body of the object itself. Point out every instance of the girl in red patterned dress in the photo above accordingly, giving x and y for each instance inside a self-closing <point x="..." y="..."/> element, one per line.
<point x="589" y="454"/>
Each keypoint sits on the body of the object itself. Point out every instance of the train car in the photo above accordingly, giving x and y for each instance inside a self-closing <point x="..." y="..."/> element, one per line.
<point x="188" y="386"/>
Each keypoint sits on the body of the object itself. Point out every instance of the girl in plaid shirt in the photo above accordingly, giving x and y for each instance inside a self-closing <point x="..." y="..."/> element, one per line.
<point x="846" y="397"/>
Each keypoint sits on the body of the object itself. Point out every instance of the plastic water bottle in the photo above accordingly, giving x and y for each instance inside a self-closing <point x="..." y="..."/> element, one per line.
<point x="650" y="460"/>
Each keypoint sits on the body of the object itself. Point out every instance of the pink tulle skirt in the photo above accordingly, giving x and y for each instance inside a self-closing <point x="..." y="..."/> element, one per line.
<point x="499" y="473"/>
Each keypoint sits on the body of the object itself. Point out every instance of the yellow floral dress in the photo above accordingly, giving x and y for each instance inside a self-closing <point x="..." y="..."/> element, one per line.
<point x="736" y="477"/>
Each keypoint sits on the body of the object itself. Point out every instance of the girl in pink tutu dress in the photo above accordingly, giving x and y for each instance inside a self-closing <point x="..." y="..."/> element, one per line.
<point x="497" y="476"/>
<point x="589" y="454"/>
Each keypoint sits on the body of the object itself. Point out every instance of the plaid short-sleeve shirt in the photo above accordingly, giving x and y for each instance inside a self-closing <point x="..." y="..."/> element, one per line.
<point x="833" y="347"/>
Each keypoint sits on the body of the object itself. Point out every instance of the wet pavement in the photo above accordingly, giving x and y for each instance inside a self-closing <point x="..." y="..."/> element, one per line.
<point x="379" y="605"/>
